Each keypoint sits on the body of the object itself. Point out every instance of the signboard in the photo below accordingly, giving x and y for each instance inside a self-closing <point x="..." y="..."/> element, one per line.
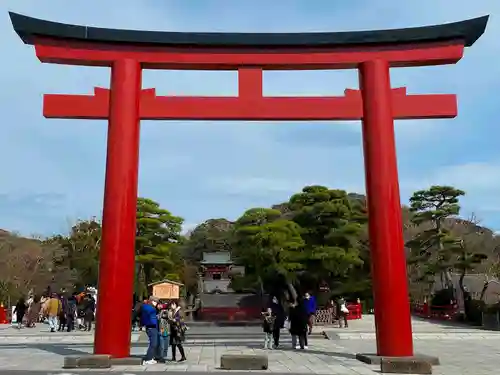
<point x="166" y="291"/>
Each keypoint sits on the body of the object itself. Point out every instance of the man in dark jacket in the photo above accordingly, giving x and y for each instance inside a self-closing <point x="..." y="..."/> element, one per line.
<point x="149" y="321"/>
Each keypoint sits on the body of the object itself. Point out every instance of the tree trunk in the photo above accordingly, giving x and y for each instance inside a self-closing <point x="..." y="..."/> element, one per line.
<point x="292" y="291"/>
<point x="261" y="286"/>
<point x="147" y="279"/>
<point x="461" y="284"/>
<point x="447" y="274"/>
<point x="483" y="291"/>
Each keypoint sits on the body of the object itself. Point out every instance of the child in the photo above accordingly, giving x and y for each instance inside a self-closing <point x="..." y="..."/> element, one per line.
<point x="268" y="326"/>
<point x="163" y="333"/>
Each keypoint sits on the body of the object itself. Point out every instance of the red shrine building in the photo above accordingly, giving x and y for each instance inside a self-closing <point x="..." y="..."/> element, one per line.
<point x="217" y="268"/>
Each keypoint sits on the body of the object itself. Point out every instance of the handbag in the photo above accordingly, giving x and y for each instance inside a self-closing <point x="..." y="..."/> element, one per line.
<point x="344" y="309"/>
<point x="286" y="325"/>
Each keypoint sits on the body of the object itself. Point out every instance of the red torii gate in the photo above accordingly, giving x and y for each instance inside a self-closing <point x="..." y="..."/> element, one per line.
<point x="373" y="53"/>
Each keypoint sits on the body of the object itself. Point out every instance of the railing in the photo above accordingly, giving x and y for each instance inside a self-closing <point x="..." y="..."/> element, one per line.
<point x="323" y="316"/>
<point x="424" y="310"/>
<point x="328" y="316"/>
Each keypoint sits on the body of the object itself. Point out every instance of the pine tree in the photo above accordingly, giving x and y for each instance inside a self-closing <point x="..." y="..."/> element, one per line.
<point x="434" y="250"/>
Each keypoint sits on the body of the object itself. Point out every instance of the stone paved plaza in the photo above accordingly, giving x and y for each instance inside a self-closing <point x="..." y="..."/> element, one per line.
<point x="461" y="349"/>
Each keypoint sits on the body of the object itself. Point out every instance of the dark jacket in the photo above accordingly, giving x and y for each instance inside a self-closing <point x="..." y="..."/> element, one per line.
<point x="177" y="329"/>
<point x="298" y="319"/>
<point x="21" y="308"/>
<point x="148" y="316"/>
<point x="89" y="308"/>
<point x="279" y="315"/>
<point x="70" y="309"/>
<point x="269" y="323"/>
<point x="64" y="306"/>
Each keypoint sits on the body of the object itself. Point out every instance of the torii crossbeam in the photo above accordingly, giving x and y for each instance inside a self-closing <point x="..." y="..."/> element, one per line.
<point x="372" y="53"/>
<point x="251" y="107"/>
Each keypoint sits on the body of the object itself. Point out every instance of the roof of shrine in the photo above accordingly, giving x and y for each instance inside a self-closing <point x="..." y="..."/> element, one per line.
<point x="466" y="32"/>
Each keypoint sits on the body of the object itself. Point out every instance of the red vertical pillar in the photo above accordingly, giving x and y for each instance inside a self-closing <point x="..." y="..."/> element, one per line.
<point x="390" y="283"/>
<point x="117" y="257"/>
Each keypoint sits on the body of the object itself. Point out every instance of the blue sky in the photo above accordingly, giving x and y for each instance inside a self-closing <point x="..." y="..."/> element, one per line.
<point x="53" y="170"/>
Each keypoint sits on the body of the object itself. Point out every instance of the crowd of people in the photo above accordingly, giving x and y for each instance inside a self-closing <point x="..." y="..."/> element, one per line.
<point x="164" y="324"/>
<point x="61" y="311"/>
<point x="298" y="317"/>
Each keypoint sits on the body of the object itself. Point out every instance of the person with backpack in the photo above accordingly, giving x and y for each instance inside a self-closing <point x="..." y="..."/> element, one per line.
<point x="163" y="333"/>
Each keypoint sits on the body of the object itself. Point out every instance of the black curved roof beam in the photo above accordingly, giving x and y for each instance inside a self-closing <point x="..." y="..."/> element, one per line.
<point x="467" y="32"/>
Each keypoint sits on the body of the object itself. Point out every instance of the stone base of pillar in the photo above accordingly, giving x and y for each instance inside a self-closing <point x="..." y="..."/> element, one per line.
<point x="417" y="364"/>
<point x="90" y="361"/>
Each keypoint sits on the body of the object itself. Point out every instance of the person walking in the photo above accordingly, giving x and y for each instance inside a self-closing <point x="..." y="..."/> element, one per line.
<point x="62" y="313"/>
<point x="298" y="324"/>
<point x="268" y="326"/>
<point x="34" y="312"/>
<point x="177" y="332"/>
<point x="197" y="308"/>
<point x="310" y="305"/>
<point x="53" y="311"/>
<point x="343" y="312"/>
<point x="279" y="320"/>
<point x="88" y="312"/>
<point x="20" y="311"/>
<point x="149" y="321"/>
<point x="71" y="313"/>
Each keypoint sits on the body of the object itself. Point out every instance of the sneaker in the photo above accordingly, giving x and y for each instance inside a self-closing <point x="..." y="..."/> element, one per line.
<point x="150" y="362"/>
<point x="297" y="347"/>
<point x="306" y="347"/>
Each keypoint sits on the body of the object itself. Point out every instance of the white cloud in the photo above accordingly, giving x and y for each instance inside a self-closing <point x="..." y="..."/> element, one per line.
<point x="192" y="167"/>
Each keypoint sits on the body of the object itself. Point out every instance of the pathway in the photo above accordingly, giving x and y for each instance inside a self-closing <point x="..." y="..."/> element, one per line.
<point x="462" y="349"/>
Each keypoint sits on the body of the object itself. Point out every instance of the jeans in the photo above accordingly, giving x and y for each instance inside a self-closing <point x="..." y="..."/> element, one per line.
<point x="88" y="324"/>
<point x="163" y="342"/>
<point x="268" y="340"/>
<point x="153" y="343"/>
<point x="302" y="340"/>
<point x="276" y="336"/>
<point x="53" y="322"/>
